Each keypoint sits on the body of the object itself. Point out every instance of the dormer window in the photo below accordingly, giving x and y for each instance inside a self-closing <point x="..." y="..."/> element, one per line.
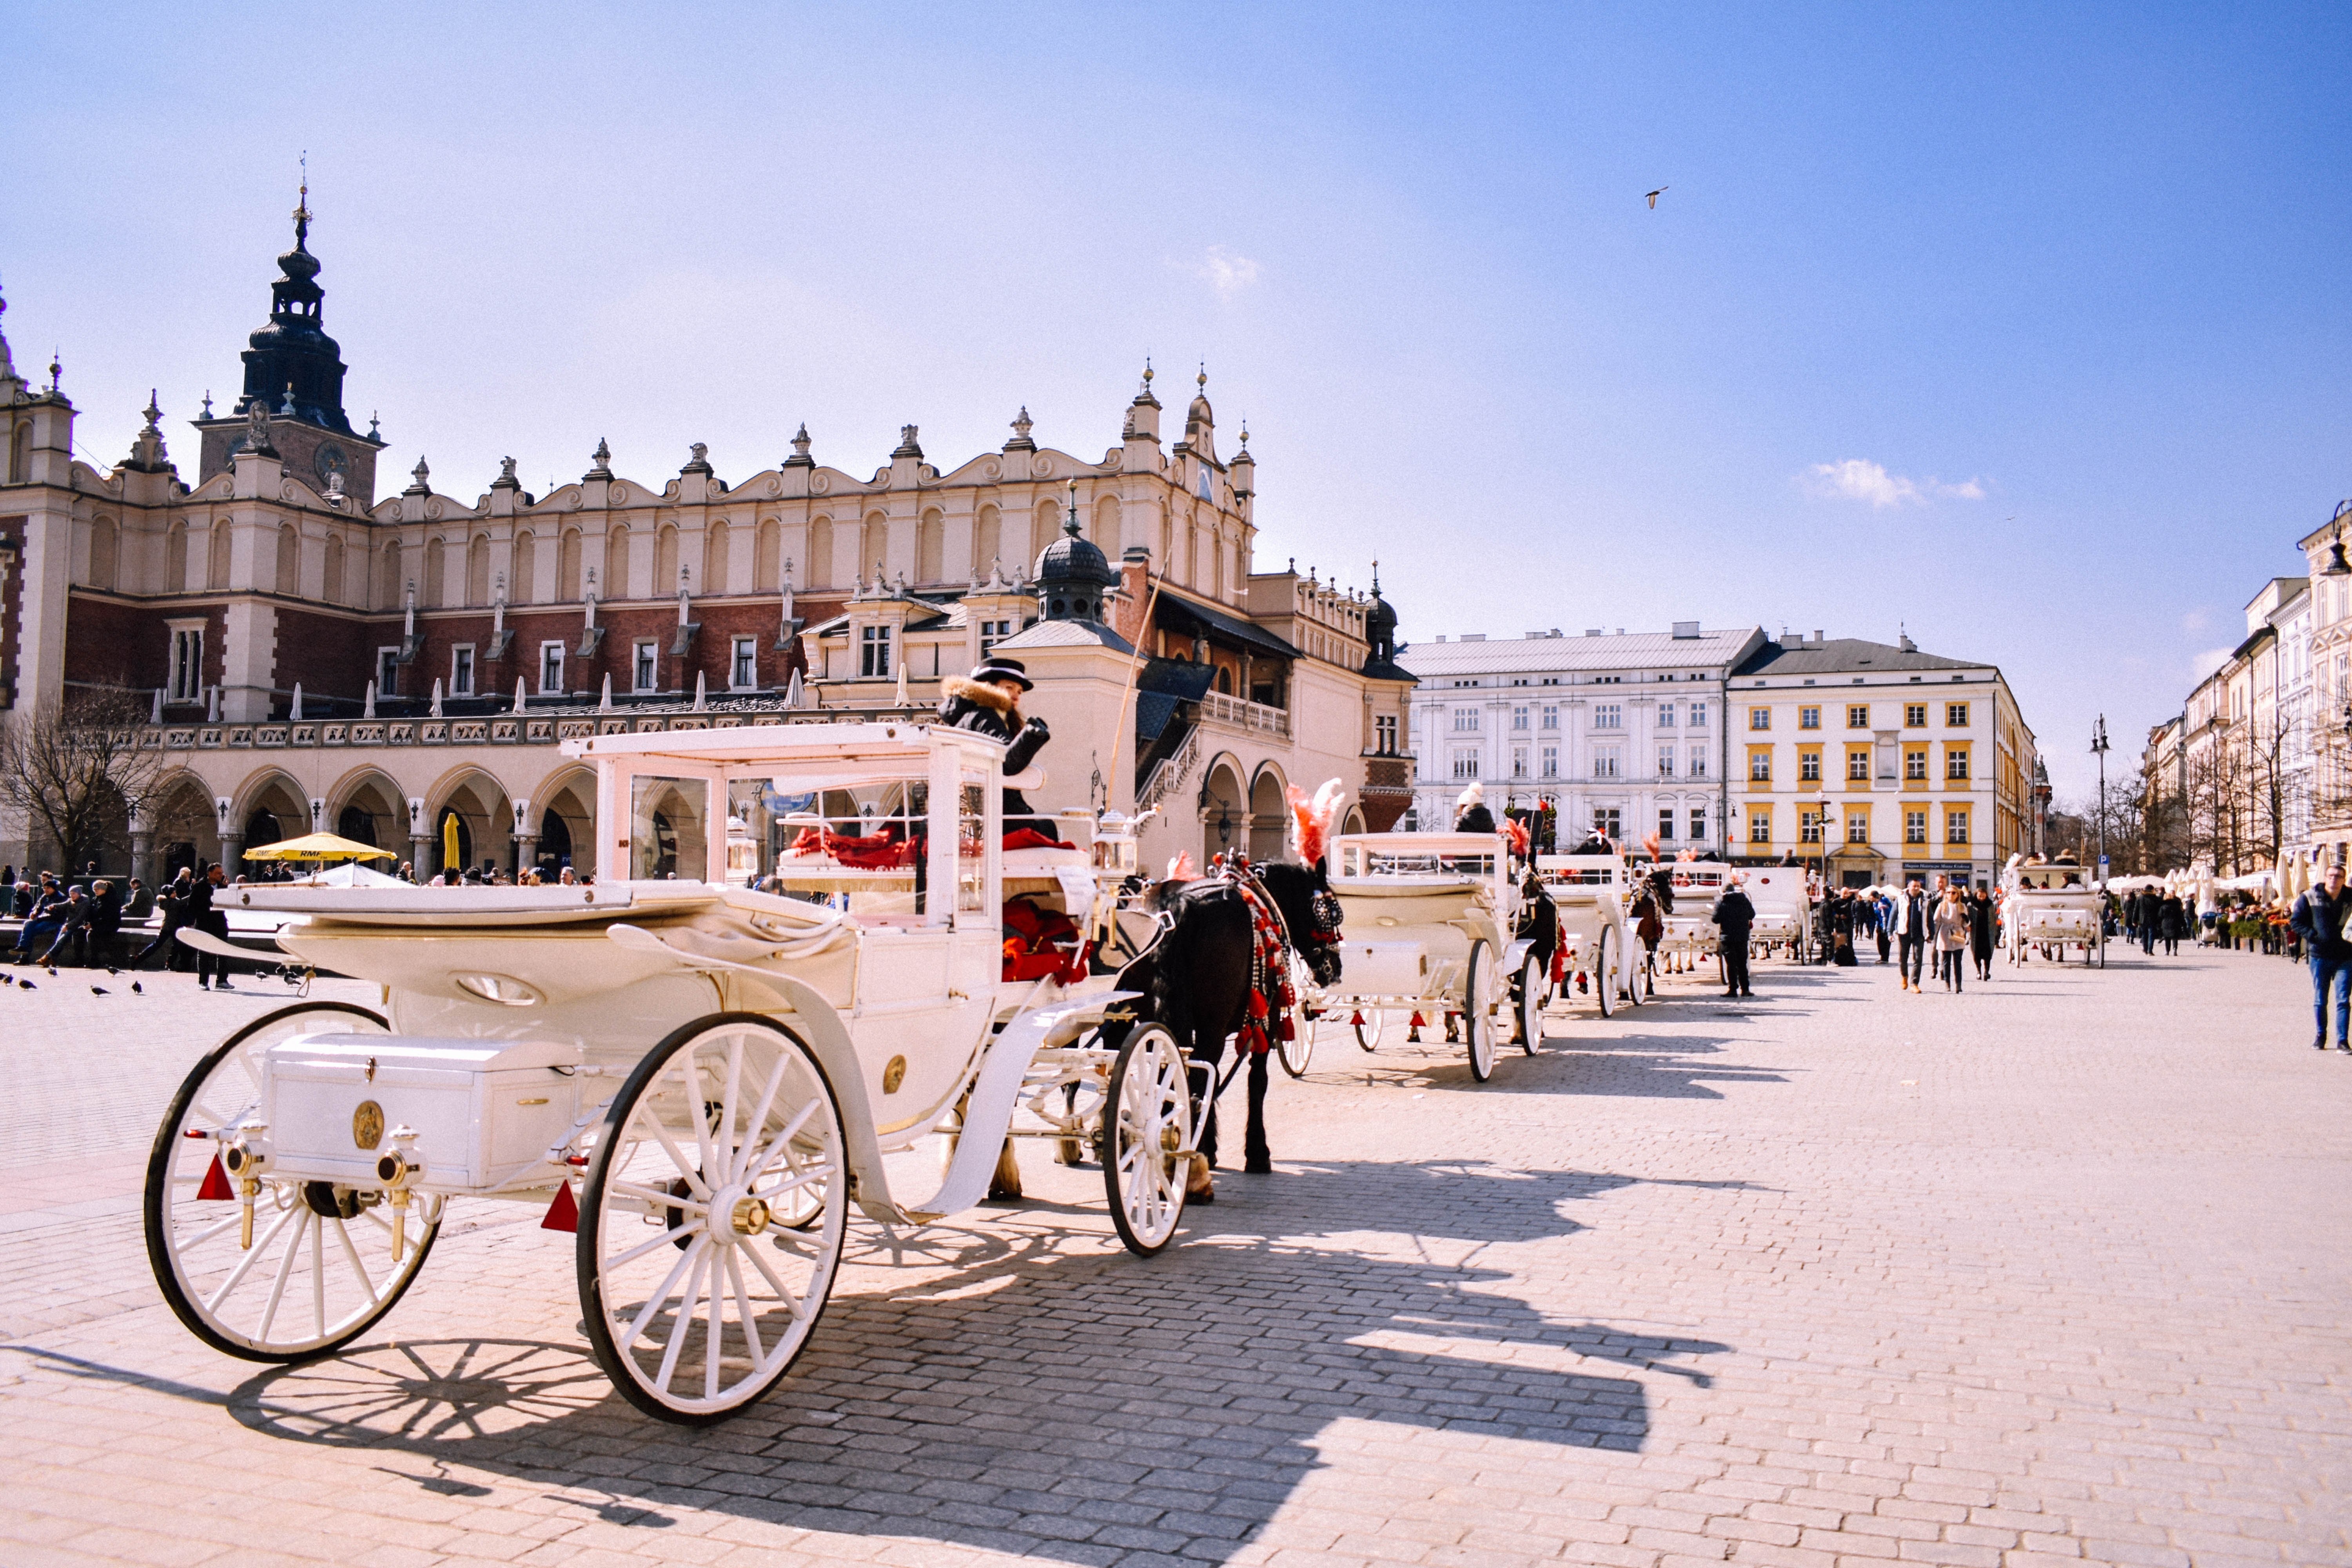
<point x="874" y="653"/>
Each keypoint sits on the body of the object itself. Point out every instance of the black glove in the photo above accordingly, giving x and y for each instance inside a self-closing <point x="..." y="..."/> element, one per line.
<point x="1026" y="745"/>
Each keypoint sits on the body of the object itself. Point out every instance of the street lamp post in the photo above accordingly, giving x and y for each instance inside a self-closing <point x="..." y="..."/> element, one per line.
<point x="2099" y="750"/>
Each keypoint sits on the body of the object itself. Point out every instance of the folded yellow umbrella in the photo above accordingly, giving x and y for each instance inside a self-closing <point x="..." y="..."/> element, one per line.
<point x="317" y="846"/>
<point x="449" y="842"/>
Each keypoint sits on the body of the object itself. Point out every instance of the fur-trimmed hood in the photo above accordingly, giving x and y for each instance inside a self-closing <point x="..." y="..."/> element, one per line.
<point x="985" y="693"/>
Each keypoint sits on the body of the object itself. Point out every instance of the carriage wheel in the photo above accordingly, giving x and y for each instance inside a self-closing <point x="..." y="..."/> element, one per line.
<point x="321" y="1267"/>
<point x="1604" y="973"/>
<point x="1632" y="975"/>
<point x="2103" y="948"/>
<point x="695" y="1305"/>
<point x="1298" y="1050"/>
<point x="1148" y="1128"/>
<point x="1531" y="1002"/>
<point x="1367" y="1027"/>
<point x="1478" y="1011"/>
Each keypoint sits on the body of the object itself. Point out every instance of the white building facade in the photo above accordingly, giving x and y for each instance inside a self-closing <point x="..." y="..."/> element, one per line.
<point x="1623" y="732"/>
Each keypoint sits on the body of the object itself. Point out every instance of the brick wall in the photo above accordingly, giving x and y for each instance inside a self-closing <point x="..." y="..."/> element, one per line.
<point x="330" y="655"/>
<point x="722" y="621"/>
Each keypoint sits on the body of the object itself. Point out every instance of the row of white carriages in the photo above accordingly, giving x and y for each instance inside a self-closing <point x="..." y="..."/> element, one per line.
<point x="703" y="1079"/>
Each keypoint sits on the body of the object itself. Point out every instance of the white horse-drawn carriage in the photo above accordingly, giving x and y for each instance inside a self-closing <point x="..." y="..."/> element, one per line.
<point x="1689" y="933"/>
<point x="1430" y="922"/>
<point x="2051" y="907"/>
<point x="1592" y="893"/>
<point x="1783" y="896"/>
<point x="718" y="1073"/>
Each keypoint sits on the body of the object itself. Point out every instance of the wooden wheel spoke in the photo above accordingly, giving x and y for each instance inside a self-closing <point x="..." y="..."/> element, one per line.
<point x="759" y="1118"/>
<point x="353" y="1253"/>
<point x="285" y="1270"/>
<point x="791" y="1300"/>
<point x="669" y="1285"/>
<point x="684" y="1320"/>
<point x="245" y="1265"/>
<point x="767" y="1156"/>
<point x="743" y="1306"/>
<point x="695" y="1206"/>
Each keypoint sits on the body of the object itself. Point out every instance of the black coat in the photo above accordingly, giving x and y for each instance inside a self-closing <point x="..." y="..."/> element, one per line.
<point x="987" y="709"/>
<point x="1734" y="913"/>
<point x="1980" y="927"/>
<point x="1477" y="819"/>
<point x="2319" y="921"/>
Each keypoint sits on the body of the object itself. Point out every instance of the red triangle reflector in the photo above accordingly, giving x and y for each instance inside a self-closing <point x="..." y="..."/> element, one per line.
<point x="215" y="1188"/>
<point x="1357" y="1020"/>
<point x="1417" y="1022"/>
<point x="563" y="1213"/>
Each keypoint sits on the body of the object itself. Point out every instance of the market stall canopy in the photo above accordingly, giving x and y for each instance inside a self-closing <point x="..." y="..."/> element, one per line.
<point x="317" y="846"/>
<point x="348" y="876"/>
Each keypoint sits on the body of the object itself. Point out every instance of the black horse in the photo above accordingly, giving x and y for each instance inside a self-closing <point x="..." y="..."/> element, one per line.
<point x="1195" y="980"/>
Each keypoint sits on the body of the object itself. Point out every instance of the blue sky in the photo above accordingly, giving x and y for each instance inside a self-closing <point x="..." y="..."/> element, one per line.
<point x="2011" y="326"/>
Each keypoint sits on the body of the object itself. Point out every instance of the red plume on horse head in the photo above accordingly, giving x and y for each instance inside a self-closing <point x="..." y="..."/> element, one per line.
<point x="1651" y="844"/>
<point x="1311" y="819"/>
<point x="1520" y="837"/>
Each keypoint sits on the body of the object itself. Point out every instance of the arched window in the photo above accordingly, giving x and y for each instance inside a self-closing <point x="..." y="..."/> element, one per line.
<point x="617" y="561"/>
<point x="289" y="560"/>
<point x="567" y="567"/>
<point x="666" y="562"/>
<point x="331" y="590"/>
<point x="874" y="545"/>
<point x="216" y="554"/>
<point x="931" y="547"/>
<point x="478" y="570"/>
<point x="20" y="452"/>
<point x="101" y="552"/>
<point x="522" y="586"/>
<point x="987" y="543"/>
<point x="434" y="577"/>
<point x="1107" y="524"/>
<point x="766" y="551"/>
<point x="820" y="558"/>
<point x="391" y="588"/>
<point x="176" y="559"/>
<point x="715" y="548"/>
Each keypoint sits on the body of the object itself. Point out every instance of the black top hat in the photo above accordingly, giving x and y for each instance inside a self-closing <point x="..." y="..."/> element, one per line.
<point x="998" y="668"/>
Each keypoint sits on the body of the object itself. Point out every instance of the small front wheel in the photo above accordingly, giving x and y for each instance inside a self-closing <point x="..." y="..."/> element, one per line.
<point x="1299" y="1051"/>
<point x="1367" y="1027"/>
<point x="712" y="1219"/>
<point x="1148" y="1140"/>
<point x="1478" y="1011"/>
<point x="1604" y="972"/>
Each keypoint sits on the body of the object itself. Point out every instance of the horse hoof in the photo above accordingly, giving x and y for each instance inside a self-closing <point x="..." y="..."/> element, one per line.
<point x="1257" y="1167"/>
<point x="1201" y="1195"/>
<point x="997" y="1195"/>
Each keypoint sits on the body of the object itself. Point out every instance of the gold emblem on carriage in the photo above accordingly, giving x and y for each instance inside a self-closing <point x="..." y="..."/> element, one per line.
<point x="894" y="1073"/>
<point x="367" y="1124"/>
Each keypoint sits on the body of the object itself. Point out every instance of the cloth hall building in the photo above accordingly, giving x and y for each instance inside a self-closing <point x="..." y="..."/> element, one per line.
<point x="312" y="655"/>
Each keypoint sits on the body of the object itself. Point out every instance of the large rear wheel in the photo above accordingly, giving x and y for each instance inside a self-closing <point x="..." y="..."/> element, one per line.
<point x="1478" y="1011"/>
<point x="1604" y="972"/>
<point x="1532" y="975"/>
<point x="1148" y="1140"/>
<point x="291" y="1269"/>
<point x="711" y="1224"/>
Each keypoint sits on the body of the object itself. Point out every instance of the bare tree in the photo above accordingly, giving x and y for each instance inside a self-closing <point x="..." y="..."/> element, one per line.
<point x="76" y="769"/>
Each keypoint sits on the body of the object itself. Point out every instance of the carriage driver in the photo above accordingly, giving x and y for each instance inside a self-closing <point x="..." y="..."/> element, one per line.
<point x="988" y="701"/>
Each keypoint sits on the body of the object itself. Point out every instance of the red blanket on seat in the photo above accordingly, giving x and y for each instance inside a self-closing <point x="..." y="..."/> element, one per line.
<point x="876" y="852"/>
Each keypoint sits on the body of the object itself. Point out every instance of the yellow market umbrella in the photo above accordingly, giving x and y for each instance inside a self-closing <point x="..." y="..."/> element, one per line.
<point x="449" y="842"/>
<point x="317" y="846"/>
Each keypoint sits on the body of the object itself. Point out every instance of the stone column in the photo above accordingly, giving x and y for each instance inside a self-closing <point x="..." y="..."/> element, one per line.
<point x="232" y="858"/>
<point x="417" y="844"/>
<point x="526" y="853"/>
<point x="142" y="856"/>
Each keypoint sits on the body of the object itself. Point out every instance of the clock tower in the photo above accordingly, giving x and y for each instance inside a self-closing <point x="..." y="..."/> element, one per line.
<point x="294" y="373"/>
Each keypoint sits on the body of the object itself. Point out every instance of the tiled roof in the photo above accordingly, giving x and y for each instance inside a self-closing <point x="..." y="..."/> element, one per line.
<point x="1846" y="655"/>
<point x="1630" y="650"/>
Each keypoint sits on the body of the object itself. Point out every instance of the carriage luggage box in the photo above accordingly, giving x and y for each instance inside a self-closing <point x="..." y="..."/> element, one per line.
<point x="1384" y="968"/>
<point x="483" y="1111"/>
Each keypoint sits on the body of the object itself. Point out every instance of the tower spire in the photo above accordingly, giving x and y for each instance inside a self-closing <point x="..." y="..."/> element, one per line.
<point x="302" y="205"/>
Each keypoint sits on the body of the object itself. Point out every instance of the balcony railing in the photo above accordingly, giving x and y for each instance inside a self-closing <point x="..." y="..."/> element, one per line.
<point x="1219" y="708"/>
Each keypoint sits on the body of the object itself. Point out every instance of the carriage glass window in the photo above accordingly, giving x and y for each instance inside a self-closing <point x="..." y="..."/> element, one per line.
<point x="971" y="849"/>
<point x="669" y="828"/>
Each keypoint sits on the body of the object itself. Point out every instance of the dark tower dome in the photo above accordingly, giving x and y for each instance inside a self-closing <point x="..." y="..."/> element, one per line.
<point x="292" y="356"/>
<point x="1379" y="625"/>
<point x="1073" y="573"/>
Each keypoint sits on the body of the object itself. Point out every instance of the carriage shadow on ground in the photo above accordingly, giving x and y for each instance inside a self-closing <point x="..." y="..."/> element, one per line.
<point x="1052" y="1398"/>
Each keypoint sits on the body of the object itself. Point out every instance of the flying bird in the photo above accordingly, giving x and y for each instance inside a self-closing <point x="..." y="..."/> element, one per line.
<point x="1654" y="195"/>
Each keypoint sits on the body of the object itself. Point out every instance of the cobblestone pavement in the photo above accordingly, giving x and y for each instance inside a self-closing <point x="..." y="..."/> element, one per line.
<point x="2053" y="1271"/>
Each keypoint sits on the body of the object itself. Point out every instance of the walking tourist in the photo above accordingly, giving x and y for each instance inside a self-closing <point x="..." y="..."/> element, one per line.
<point x="174" y="899"/>
<point x="1910" y="922"/>
<point x="1980" y="930"/>
<point x="1734" y="915"/>
<point x="1951" y="923"/>
<point x="2319" y="921"/>
<point x="2174" y="920"/>
<point x="212" y="971"/>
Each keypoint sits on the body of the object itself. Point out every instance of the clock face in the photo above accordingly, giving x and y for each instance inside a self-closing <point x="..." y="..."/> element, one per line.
<point x="331" y="459"/>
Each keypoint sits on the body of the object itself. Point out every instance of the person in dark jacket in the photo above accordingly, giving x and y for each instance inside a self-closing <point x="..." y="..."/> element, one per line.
<point x="2318" y="919"/>
<point x="2174" y="923"/>
<point x="988" y="702"/>
<point x="1980" y="930"/>
<point x="1470" y="813"/>
<point x="173" y="901"/>
<point x="1733" y="916"/>
<point x="212" y="972"/>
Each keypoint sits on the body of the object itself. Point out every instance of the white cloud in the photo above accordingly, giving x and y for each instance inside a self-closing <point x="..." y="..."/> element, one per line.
<point x="1859" y="478"/>
<point x="1228" y="272"/>
<point x="2212" y="659"/>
